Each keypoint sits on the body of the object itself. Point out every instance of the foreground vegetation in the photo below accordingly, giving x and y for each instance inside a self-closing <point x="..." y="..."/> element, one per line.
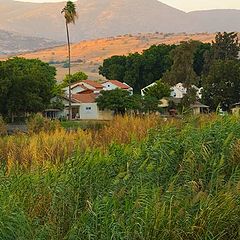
<point x="134" y="179"/>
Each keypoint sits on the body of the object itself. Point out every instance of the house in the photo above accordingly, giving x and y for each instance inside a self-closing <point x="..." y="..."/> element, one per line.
<point x="83" y="99"/>
<point x="114" y="84"/>
<point x="177" y="92"/>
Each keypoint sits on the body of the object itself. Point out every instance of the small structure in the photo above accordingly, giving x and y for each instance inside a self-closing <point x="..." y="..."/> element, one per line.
<point x="52" y="113"/>
<point x="235" y="109"/>
<point x="199" y="108"/>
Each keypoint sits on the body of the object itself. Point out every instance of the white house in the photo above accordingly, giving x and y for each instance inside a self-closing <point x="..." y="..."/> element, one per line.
<point x="114" y="84"/>
<point x="83" y="99"/>
<point x="84" y="107"/>
<point x="177" y="92"/>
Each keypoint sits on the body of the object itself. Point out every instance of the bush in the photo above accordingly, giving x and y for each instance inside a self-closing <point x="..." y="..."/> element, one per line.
<point x="38" y="123"/>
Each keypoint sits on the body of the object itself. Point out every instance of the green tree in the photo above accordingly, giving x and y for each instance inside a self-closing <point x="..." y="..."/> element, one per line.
<point x="116" y="100"/>
<point x="139" y="70"/>
<point x="182" y="68"/>
<point x="189" y="98"/>
<point x="150" y="104"/>
<point x="222" y="85"/>
<point x="26" y="86"/>
<point x="226" y="46"/>
<point x="76" y="77"/>
<point x="158" y="90"/>
<point x="70" y="15"/>
<point x="114" y="68"/>
<point x="199" y="58"/>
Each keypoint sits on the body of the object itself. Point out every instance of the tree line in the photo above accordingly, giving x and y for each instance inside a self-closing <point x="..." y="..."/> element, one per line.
<point x="214" y="66"/>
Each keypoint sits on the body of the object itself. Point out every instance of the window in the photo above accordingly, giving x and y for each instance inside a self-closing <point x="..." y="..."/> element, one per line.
<point x="88" y="108"/>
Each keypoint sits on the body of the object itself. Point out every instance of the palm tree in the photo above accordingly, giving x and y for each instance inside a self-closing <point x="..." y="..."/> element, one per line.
<point x="70" y="15"/>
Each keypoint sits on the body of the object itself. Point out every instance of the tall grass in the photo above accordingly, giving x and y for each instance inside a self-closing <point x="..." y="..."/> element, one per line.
<point x="180" y="180"/>
<point x="48" y="143"/>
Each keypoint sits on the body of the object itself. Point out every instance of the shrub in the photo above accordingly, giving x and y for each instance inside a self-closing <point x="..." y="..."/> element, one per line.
<point x="38" y="123"/>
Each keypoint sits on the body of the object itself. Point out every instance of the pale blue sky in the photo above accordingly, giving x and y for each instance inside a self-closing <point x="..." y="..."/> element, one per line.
<point x="186" y="5"/>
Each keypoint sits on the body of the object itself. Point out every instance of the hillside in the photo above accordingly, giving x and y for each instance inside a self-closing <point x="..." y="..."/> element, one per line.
<point x="88" y="55"/>
<point x="98" y="19"/>
<point x="14" y="43"/>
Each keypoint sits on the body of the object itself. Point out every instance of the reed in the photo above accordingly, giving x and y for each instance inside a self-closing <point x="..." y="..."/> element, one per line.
<point x="161" y="180"/>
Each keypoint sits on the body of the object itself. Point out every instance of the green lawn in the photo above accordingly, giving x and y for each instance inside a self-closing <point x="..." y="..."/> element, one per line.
<point x="84" y="124"/>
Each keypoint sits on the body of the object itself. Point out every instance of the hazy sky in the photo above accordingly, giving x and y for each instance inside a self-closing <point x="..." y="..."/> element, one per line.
<point x="186" y="5"/>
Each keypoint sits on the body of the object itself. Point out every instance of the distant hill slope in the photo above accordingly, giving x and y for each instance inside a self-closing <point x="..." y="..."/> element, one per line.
<point x="16" y="43"/>
<point x="103" y="18"/>
<point x="88" y="55"/>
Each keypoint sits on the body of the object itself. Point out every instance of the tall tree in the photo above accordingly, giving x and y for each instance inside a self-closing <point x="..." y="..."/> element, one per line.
<point x="222" y="85"/>
<point x="70" y="15"/>
<point x="26" y="86"/>
<point x="182" y="68"/>
<point x="226" y="46"/>
<point x="200" y="56"/>
<point x="159" y="90"/>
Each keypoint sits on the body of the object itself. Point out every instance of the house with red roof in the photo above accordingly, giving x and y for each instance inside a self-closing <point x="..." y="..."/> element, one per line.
<point x="113" y="84"/>
<point x="83" y="99"/>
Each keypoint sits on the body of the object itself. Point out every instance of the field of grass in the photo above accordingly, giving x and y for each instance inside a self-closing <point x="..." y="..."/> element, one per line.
<point x="134" y="179"/>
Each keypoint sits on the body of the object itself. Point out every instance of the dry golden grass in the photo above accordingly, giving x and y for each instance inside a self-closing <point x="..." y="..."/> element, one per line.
<point x="53" y="147"/>
<point x="93" y="52"/>
<point x="100" y="49"/>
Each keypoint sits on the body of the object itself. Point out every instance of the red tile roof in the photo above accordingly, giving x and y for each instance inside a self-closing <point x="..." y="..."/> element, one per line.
<point x="119" y="84"/>
<point x="84" y="98"/>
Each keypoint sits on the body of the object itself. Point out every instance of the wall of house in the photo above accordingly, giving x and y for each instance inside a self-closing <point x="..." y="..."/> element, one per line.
<point x="90" y="111"/>
<point x="109" y="86"/>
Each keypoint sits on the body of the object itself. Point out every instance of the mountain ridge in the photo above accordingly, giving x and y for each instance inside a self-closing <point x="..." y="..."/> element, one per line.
<point x="99" y="19"/>
<point x="13" y="43"/>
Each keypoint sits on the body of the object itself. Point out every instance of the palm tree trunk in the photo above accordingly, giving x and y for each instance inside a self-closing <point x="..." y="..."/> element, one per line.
<point x="69" y="73"/>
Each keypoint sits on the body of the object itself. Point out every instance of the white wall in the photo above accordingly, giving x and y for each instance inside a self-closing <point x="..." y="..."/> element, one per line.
<point x="90" y="111"/>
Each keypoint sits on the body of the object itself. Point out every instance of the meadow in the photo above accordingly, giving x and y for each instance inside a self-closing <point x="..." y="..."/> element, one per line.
<point x="134" y="179"/>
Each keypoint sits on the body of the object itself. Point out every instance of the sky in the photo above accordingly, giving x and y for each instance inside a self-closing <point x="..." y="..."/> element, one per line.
<point x="185" y="5"/>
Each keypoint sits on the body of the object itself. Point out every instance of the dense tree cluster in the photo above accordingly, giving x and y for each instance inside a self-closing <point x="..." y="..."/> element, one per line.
<point x="26" y="86"/>
<point x="215" y="67"/>
<point x="139" y="70"/>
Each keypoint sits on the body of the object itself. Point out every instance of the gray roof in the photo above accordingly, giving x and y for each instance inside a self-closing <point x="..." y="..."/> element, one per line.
<point x="198" y="105"/>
